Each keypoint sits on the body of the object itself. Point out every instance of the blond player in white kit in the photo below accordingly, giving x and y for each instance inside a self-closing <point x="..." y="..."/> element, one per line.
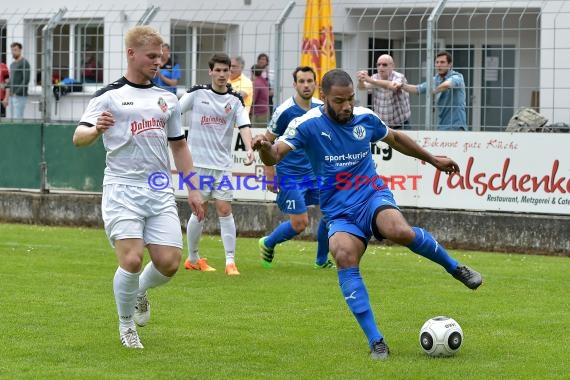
<point x="137" y="121"/>
<point x="214" y="111"/>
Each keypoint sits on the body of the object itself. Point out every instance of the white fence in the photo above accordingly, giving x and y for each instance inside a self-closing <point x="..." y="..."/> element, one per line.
<point x="512" y="53"/>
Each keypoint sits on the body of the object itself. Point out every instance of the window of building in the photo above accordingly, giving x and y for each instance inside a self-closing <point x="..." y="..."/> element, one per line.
<point x="192" y="47"/>
<point x="77" y="51"/>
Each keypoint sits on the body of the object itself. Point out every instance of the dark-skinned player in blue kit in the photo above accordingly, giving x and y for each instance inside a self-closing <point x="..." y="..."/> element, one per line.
<point x="336" y="138"/>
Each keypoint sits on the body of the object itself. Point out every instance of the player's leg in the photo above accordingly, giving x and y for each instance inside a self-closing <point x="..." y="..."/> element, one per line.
<point x="163" y="239"/>
<point x="125" y="287"/>
<point x="322" y="260"/>
<point x="347" y="245"/>
<point x="194" y="228"/>
<point x="391" y="224"/>
<point x="228" y="234"/>
<point x="124" y="225"/>
<point x="291" y="202"/>
<point x="223" y="196"/>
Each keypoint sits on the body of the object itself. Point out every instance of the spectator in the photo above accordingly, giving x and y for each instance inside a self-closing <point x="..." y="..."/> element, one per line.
<point x="389" y="101"/>
<point x="4" y="75"/>
<point x="449" y="91"/>
<point x="241" y="83"/>
<point x="17" y="87"/>
<point x="263" y="62"/>
<point x="260" y="108"/>
<point x="92" y="73"/>
<point x="169" y="73"/>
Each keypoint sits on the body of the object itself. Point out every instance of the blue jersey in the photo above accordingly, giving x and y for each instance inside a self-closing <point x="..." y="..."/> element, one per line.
<point x="338" y="154"/>
<point x="295" y="163"/>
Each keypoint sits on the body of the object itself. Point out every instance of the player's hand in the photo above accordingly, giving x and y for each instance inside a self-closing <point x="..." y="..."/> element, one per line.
<point x="446" y="165"/>
<point x="250" y="158"/>
<point x="196" y="204"/>
<point x="260" y="142"/>
<point x="104" y="122"/>
<point x="271" y="186"/>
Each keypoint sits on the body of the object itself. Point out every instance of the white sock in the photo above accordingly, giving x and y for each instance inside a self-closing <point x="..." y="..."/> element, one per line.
<point x="151" y="278"/>
<point x="193" y="232"/>
<point x="228" y="232"/>
<point x="125" y="287"/>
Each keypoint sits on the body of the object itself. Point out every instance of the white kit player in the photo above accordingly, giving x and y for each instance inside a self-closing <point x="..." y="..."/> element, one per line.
<point x="214" y="111"/>
<point x="137" y="121"/>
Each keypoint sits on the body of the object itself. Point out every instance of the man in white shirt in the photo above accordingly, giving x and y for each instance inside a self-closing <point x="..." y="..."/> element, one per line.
<point x="214" y="110"/>
<point x="137" y="121"/>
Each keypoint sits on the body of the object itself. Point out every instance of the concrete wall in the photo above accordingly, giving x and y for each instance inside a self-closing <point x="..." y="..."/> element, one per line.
<point x="486" y="231"/>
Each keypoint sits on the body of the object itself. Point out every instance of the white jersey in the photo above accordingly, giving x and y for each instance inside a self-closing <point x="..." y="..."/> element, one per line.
<point x="212" y="119"/>
<point x="146" y="117"/>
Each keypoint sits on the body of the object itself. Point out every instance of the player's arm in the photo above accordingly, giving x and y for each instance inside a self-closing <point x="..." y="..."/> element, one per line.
<point x="85" y="135"/>
<point x="270" y="170"/>
<point x="245" y="133"/>
<point x="185" y="165"/>
<point x="269" y="153"/>
<point x="406" y="145"/>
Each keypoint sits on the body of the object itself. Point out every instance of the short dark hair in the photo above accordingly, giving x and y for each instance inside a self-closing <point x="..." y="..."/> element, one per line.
<point x="305" y="69"/>
<point x="263" y="55"/>
<point x="447" y="55"/>
<point x="335" y="77"/>
<point x="222" y="58"/>
<point x="256" y="70"/>
<point x="19" y="45"/>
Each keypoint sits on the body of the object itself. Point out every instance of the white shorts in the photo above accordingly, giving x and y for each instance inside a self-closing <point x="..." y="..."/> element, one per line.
<point x="132" y="212"/>
<point x="216" y="184"/>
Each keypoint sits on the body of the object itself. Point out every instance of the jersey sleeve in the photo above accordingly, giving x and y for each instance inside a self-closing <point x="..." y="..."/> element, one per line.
<point x="295" y="135"/>
<point x="174" y="125"/>
<point x="94" y="109"/>
<point x="278" y="124"/>
<point x="242" y="116"/>
<point x="187" y="101"/>
<point x="379" y="130"/>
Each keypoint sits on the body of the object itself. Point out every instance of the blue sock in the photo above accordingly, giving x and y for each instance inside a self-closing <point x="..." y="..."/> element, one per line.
<point x="425" y="245"/>
<point x="282" y="233"/>
<point x="322" y="243"/>
<point x="356" y="298"/>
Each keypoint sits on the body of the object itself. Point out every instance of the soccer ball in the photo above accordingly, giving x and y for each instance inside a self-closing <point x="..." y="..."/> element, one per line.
<point x="441" y="336"/>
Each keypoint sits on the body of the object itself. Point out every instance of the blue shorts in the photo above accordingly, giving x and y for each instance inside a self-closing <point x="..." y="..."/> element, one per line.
<point x="295" y="199"/>
<point x="359" y="220"/>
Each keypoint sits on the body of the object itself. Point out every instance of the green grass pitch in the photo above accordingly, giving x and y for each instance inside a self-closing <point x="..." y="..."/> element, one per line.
<point x="58" y="318"/>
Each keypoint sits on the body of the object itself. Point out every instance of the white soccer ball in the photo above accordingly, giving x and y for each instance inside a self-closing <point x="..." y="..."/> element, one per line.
<point x="441" y="336"/>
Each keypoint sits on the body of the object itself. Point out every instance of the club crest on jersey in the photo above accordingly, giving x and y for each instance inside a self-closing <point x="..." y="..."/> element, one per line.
<point x="162" y="104"/>
<point x="228" y="108"/>
<point x="359" y="132"/>
<point x="290" y="132"/>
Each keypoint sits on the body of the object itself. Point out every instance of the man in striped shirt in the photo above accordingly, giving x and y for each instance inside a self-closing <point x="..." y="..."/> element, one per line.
<point x="390" y="102"/>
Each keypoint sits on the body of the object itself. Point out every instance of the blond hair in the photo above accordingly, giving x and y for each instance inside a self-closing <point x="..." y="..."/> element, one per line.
<point x="142" y="35"/>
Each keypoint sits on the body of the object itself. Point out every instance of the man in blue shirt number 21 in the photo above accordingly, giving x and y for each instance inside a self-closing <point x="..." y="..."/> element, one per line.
<point x="336" y="138"/>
